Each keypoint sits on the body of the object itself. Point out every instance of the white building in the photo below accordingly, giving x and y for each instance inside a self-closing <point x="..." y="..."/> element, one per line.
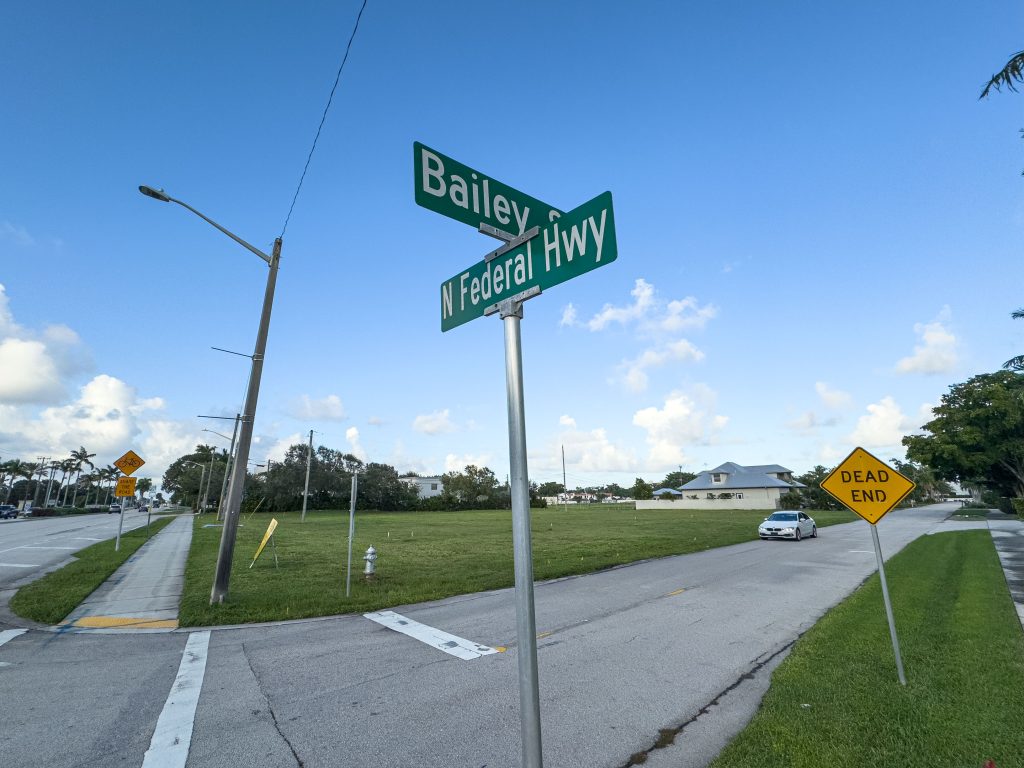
<point x="732" y="486"/>
<point x="426" y="487"/>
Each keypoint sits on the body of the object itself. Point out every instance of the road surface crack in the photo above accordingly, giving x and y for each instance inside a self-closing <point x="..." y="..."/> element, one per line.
<point x="667" y="736"/>
<point x="270" y="709"/>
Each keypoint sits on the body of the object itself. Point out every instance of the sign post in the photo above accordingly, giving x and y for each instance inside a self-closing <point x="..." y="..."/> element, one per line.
<point x="869" y="487"/>
<point x="128" y="464"/>
<point x="351" y="532"/>
<point x="543" y="247"/>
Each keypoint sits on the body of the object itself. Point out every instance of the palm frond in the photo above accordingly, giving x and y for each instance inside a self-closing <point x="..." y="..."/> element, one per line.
<point x="1012" y="72"/>
<point x="1018" y="314"/>
<point x="1015" y="363"/>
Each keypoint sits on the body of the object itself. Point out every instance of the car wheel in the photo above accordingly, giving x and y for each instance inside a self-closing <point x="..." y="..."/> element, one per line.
<point x="814" y="531"/>
<point x="798" y="537"/>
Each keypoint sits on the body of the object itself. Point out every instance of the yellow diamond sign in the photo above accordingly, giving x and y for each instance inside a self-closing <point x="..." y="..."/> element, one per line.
<point x="867" y="485"/>
<point x="125" y="487"/>
<point x="130" y="462"/>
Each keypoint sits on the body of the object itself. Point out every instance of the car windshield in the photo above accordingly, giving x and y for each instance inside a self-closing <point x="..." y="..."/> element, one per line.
<point x="783" y="517"/>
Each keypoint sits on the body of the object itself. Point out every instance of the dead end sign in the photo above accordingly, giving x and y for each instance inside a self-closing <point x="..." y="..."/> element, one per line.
<point x="867" y="485"/>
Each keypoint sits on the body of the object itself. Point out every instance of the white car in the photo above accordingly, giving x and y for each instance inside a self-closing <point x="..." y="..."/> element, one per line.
<point x="787" y="525"/>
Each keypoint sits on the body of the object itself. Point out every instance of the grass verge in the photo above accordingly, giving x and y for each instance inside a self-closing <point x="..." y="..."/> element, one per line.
<point x="836" y="701"/>
<point x="430" y="555"/>
<point x="55" y="595"/>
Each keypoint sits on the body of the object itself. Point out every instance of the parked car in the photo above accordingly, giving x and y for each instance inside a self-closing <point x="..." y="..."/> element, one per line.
<point x="787" y="525"/>
<point x="8" y="511"/>
<point x="113" y="508"/>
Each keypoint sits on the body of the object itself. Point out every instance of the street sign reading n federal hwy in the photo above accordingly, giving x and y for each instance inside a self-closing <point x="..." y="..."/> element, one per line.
<point x="455" y="190"/>
<point x="579" y="241"/>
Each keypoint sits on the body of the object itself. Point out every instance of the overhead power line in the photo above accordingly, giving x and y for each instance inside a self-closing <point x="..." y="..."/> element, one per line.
<point x="323" y="118"/>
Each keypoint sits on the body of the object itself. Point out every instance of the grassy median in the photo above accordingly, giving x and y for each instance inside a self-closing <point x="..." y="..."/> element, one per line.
<point x="836" y="701"/>
<point x="50" y="599"/>
<point x="430" y="555"/>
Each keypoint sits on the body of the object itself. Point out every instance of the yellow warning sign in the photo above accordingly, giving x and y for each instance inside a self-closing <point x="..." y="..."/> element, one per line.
<point x="130" y="462"/>
<point x="867" y="485"/>
<point x="125" y="486"/>
<point x="266" y="537"/>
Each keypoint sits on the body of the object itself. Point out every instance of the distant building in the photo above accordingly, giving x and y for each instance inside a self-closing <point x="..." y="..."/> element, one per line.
<point x="732" y="486"/>
<point x="426" y="487"/>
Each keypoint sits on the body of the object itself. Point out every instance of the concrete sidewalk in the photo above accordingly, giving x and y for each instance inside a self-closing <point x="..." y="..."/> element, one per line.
<point x="143" y="594"/>
<point x="1008" y="536"/>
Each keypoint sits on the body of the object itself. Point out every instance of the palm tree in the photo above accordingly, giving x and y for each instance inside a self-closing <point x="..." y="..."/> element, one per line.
<point x="1012" y="72"/>
<point x="81" y="457"/>
<point x="8" y="470"/>
<point x="67" y="466"/>
<point x="143" y="487"/>
<point x="110" y="474"/>
<point x="1015" y="363"/>
<point x="27" y="471"/>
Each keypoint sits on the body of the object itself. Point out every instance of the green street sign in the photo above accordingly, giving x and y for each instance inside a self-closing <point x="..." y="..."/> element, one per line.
<point x="455" y="190"/>
<point x="581" y="240"/>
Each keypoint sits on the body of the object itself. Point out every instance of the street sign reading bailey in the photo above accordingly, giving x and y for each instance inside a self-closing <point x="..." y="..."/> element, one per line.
<point x="582" y="240"/>
<point x="455" y="190"/>
<point x="867" y="485"/>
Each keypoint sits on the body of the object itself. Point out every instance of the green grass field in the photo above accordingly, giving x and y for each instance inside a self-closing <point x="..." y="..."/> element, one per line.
<point x="54" y="596"/>
<point x="430" y="555"/>
<point x="836" y="701"/>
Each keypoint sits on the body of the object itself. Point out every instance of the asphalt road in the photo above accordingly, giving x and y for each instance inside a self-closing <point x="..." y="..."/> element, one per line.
<point x="622" y="654"/>
<point x="29" y="546"/>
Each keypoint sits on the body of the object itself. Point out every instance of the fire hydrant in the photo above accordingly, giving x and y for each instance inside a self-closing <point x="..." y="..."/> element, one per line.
<point x="370" y="570"/>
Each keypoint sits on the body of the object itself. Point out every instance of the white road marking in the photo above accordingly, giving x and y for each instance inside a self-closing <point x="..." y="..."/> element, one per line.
<point x="436" y="638"/>
<point x="10" y="634"/>
<point x="18" y="565"/>
<point x="86" y="538"/>
<point x="69" y="548"/>
<point x="864" y="551"/>
<point x="173" y="734"/>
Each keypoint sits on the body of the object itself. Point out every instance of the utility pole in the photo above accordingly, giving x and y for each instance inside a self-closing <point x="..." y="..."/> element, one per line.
<point x="309" y="460"/>
<point x="231" y="456"/>
<point x="565" y="488"/>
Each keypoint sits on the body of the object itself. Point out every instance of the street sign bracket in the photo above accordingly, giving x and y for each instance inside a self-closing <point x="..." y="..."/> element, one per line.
<point x="513" y="305"/>
<point x="515" y="242"/>
<point x="497" y="234"/>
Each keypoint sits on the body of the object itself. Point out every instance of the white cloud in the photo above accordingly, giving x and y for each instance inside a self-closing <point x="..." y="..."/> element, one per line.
<point x="16" y="235"/>
<point x="454" y="463"/>
<point x="635" y="370"/>
<point x="36" y="366"/>
<point x="375" y="421"/>
<point x="643" y="299"/>
<point x="323" y="409"/>
<point x="568" y="316"/>
<point x="652" y="314"/>
<point x="684" y="420"/>
<point x="433" y="423"/>
<point x="883" y="427"/>
<point x="832" y="398"/>
<point x="567" y="421"/>
<point x="937" y="351"/>
<point x="354" y="446"/>
<point x="588" y="451"/>
<point x="279" y="448"/>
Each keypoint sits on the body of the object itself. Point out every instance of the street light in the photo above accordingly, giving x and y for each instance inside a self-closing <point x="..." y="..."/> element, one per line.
<point x="222" y="577"/>
<point x="202" y="477"/>
<point x="227" y="464"/>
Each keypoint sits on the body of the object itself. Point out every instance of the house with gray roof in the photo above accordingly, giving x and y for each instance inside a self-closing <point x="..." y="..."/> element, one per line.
<point x="733" y="486"/>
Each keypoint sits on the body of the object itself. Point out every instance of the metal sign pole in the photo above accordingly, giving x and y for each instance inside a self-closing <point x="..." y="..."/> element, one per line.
<point x="351" y="533"/>
<point x="526" y="623"/>
<point x="120" y="522"/>
<point x="888" y="606"/>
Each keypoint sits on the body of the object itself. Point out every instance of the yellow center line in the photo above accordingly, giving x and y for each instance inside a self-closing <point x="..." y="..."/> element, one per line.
<point x="544" y="634"/>
<point x="676" y="592"/>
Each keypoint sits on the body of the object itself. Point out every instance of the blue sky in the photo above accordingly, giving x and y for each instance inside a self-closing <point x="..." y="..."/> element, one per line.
<point x="818" y="224"/>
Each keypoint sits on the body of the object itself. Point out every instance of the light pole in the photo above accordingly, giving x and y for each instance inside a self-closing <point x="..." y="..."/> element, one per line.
<point x="309" y="458"/>
<point x="222" y="577"/>
<point x="231" y="455"/>
<point x="202" y="477"/>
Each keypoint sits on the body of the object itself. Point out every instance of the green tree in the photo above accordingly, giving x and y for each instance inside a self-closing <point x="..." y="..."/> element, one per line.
<point x="977" y="435"/>
<point x="642" y="490"/>
<point x="813" y="496"/>
<point x="550" y="488"/>
<point x="676" y="479"/>
<point x="473" y="488"/>
<point x="144" y="486"/>
<point x="380" y="488"/>
<point x="81" y="457"/>
<point x="1015" y="363"/>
